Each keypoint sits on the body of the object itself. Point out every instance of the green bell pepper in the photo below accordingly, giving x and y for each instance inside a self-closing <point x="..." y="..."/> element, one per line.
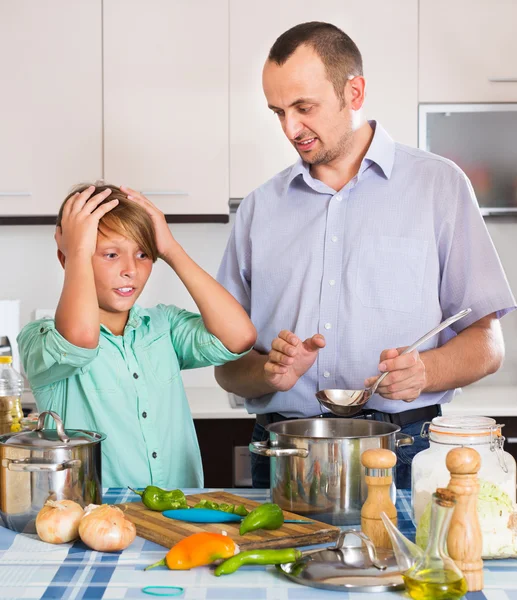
<point x="265" y="516"/>
<point x="229" y="508"/>
<point x="157" y="499"/>
<point x="258" y="557"/>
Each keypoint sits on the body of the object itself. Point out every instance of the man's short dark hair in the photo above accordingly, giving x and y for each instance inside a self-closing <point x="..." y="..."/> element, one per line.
<point x="336" y="49"/>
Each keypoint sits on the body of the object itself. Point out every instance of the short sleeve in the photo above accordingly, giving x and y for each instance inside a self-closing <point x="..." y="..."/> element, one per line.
<point x="235" y="270"/>
<point x="194" y="345"/>
<point x="472" y="274"/>
<point x="47" y="357"/>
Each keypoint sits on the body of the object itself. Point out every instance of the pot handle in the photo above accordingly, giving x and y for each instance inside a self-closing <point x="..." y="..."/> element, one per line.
<point x="59" y="425"/>
<point x="264" y="449"/>
<point x="25" y="465"/>
<point x="402" y="439"/>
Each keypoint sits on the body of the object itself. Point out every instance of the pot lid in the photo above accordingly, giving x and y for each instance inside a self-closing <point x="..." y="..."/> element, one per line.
<point x="52" y="438"/>
<point x="357" y="568"/>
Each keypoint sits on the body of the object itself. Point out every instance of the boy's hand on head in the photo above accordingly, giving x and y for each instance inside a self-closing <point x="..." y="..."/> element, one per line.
<point x="80" y="222"/>
<point x="164" y="238"/>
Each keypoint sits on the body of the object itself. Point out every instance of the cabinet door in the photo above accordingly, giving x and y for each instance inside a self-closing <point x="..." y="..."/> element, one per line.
<point x="166" y="102"/>
<point x="50" y="103"/>
<point x="468" y="51"/>
<point x="386" y="34"/>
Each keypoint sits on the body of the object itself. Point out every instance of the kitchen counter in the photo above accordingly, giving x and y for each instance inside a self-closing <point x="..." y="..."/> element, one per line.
<point x="31" y="569"/>
<point x="214" y="402"/>
<point x="494" y="401"/>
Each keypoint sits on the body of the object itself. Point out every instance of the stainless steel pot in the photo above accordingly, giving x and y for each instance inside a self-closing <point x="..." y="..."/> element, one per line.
<point x="315" y="464"/>
<point x="47" y="464"/>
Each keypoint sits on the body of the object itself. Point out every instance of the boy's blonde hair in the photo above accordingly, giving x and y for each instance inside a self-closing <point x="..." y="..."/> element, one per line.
<point x="127" y="218"/>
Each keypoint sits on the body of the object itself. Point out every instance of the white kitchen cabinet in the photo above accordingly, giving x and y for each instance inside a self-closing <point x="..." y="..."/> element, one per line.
<point x="50" y="104"/>
<point x="468" y="51"/>
<point x="386" y="34"/>
<point x="166" y="103"/>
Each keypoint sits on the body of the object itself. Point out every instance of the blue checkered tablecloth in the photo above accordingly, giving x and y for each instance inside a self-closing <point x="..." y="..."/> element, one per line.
<point x="31" y="569"/>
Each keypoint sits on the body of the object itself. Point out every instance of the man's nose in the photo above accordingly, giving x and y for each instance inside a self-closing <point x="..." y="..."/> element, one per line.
<point x="292" y="126"/>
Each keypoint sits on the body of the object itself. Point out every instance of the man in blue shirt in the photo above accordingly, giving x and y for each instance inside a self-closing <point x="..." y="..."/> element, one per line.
<point x="359" y="248"/>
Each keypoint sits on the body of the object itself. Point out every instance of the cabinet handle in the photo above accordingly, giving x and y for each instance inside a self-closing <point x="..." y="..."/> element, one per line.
<point x="18" y="194"/>
<point x="511" y="440"/>
<point x="502" y="79"/>
<point x="166" y="193"/>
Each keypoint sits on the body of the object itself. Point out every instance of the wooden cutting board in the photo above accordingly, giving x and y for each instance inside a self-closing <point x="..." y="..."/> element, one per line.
<point x="153" y="526"/>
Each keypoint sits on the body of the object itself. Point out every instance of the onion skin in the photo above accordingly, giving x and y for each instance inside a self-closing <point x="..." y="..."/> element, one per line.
<point x="58" y="521"/>
<point x="106" y="529"/>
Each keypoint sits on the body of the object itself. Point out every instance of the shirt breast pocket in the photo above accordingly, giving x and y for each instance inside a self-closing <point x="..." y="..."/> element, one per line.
<point x="161" y="358"/>
<point x="390" y="272"/>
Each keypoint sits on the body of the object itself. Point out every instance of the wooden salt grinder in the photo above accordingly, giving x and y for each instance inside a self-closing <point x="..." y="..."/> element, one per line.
<point x="379" y="464"/>
<point x="465" y="541"/>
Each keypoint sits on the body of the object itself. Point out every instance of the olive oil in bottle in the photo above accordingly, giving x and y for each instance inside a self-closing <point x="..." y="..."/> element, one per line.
<point x="438" y="584"/>
<point x="435" y="576"/>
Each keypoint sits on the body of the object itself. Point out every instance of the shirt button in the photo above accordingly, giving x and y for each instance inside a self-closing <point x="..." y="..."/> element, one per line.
<point x="326" y="374"/>
<point x="135" y="375"/>
<point x="328" y="325"/>
<point x="154" y="455"/>
<point x="42" y="330"/>
<point x="144" y="414"/>
<point x="338" y="198"/>
<point x="332" y="282"/>
<point x="334" y="238"/>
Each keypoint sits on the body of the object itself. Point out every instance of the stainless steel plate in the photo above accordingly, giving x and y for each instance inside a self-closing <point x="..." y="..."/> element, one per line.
<point x="346" y="568"/>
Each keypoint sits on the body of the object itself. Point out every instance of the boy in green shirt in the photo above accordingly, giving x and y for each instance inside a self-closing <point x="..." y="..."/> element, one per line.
<point x="106" y="364"/>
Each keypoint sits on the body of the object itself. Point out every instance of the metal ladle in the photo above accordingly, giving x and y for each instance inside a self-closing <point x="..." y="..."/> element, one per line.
<point x="346" y="403"/>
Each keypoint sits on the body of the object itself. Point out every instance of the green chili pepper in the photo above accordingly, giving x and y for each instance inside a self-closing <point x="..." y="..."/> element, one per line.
<point x="315" y="490"/>
<point x="157" y="499"/>
<point x="258" y="557"/>
<point x="265" y="516"/>
<point x="289" y="492"/>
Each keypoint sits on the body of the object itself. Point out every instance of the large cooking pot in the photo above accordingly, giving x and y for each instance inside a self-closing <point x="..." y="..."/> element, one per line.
<point x="315" y="464"/>
<point x="47" y="464"/>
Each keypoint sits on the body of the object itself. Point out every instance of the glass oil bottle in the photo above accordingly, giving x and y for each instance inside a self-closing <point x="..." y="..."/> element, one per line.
<point x="435" y="576"/>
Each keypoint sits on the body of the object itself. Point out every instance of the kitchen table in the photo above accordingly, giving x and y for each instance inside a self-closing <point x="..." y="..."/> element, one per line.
<point x="31" y="569"/>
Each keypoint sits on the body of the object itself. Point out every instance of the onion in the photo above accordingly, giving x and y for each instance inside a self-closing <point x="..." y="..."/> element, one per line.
<point x="106" y="529"/>
<point x="58" y="521"/>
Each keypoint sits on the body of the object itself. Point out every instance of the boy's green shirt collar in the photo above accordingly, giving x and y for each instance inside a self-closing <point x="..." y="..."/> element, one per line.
<point x="137" y="314"/>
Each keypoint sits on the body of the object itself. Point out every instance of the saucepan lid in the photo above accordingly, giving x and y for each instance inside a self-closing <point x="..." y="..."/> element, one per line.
<point x="347" y="566"/>
<point x="51" y="438"/>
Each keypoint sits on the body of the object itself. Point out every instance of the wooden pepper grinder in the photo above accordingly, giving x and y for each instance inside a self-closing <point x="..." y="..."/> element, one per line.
<point x="379" y="464"/>
<point x="465" y="541"/>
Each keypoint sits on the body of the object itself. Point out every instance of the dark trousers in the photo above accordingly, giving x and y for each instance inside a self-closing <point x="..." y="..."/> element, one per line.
<point x="260" y="464"/>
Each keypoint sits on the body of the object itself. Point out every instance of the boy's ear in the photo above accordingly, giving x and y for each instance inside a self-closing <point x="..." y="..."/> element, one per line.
<point x="60" y="255"/>
<point x="61" y="258"/>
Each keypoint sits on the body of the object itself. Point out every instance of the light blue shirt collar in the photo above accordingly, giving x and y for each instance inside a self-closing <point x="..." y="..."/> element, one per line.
<point x="381" y="152"/>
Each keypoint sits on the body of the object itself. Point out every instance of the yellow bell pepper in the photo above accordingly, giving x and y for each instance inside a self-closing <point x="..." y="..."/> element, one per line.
<point x="197" y="550"/>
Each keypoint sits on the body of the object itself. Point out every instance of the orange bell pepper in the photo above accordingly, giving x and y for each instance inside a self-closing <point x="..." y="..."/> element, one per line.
<point x="196" y="550"/>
